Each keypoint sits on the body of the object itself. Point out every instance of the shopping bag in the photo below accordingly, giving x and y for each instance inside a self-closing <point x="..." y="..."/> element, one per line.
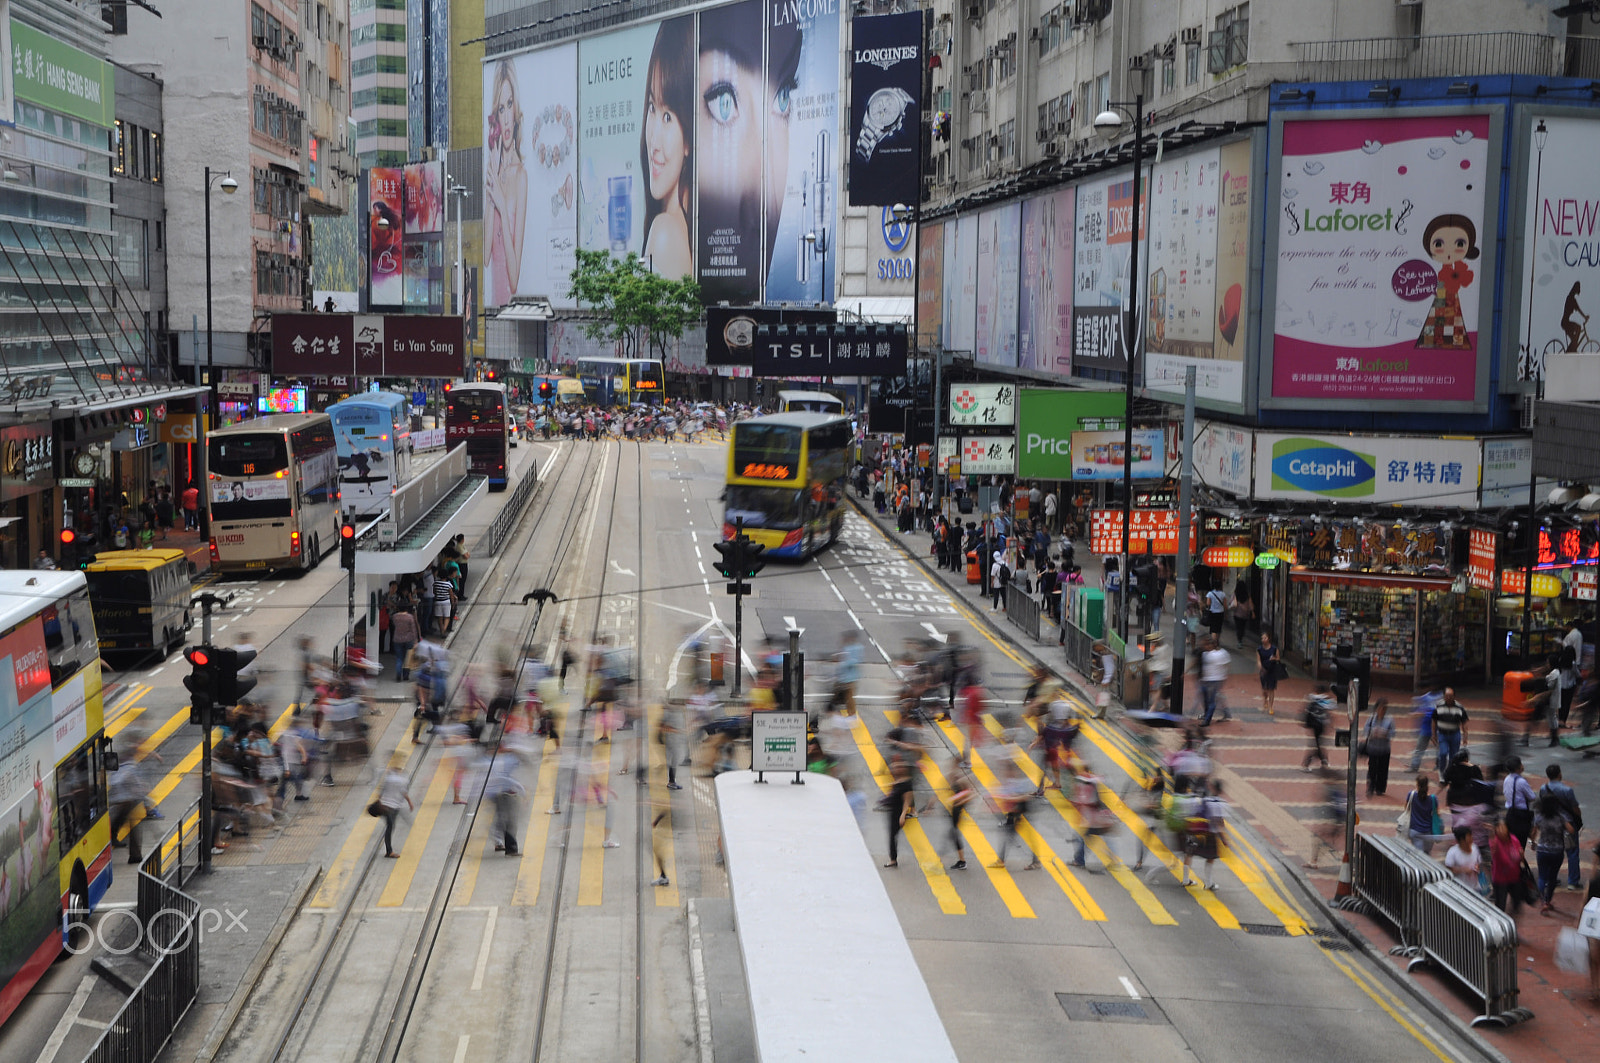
<point x="1589" y="922"/>
<point x="1572" y="951"/>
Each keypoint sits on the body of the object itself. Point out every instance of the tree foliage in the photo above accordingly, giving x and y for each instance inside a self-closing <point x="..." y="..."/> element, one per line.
<point x="631" y="302"/>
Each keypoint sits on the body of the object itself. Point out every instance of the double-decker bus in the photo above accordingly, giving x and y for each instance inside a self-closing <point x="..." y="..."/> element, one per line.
<point x="477" y="415"/>
<point x="810" y="402"/>
<point x="55" y="834"/>
<point x="273" y="492"/>
<point x="786" y="477"/>
<point x="372" y="436"/>
<point x="621" y="381"/>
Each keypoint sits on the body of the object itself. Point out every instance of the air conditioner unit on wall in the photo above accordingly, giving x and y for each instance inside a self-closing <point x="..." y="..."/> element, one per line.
<point x="1191" y="35"/>
<point x="975" y="13"/>
<point x="1052" y="149"/>
<point x="1042" y="134"/>
<point x="978" y="102"/>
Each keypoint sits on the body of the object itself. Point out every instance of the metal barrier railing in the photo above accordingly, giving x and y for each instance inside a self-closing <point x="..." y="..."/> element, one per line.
<point x="1079" y="647"/>
<point x="507" y="517"/>
<point x="1475" y="941"/>
<point x="169" y="933"/>
<point x="175" y="858"/>
<point x="1023" y="610"/>
<point x="1387" y="877"/>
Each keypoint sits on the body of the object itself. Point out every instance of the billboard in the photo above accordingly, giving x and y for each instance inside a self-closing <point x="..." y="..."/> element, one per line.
<point x="1047" y="419"/>
<point x="1560" y="247"/>
<point x="930" y="285"/>
<point x="989" y="405"/>
<point x="1368" y="469"/>
<point x="1222" y="456"/>
<point x="385" y="209"/>
<point x="999" y="257"/>
<point x="612" y="73"/>
<point x="731" y="330"/>
<point x="424" y="198"/>
<point x="368" y="345"/>
<point x="984" y="455"/>
<point x="961" y="284"/>
<point x="530" y="189"/>
<point x="1383" y="248"/>
<point x="1101" y="322"/>
<point x="1044" y="327"/>
<point x="885" y="105"/>
<point x="1101" y="455"/>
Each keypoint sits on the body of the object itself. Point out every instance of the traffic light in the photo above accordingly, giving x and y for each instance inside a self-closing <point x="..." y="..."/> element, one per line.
<point x="546" y="390"/>
<point x="202" y="684"/>
<point x="347" y="546"/>
<point x="741" y="559"/>
<point x="1347" y="666"/>
<point x="752" y="557"/>
<point x="1145" y="580"/>
<point x="231" y="687"/>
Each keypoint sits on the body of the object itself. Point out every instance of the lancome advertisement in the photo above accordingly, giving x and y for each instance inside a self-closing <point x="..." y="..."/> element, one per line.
<point x="1382" y="257"/>
<point x="1044" y="333"/>
<point x="530" y="196"/>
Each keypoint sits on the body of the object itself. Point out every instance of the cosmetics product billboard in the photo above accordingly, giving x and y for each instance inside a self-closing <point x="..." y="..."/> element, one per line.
<point x="1044" y="331"/>
<point x="385" y="199"/>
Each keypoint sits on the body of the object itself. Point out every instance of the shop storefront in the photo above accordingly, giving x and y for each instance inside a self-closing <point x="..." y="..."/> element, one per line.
<point x="1562" y="591"/>
<point x="27" y="482"/>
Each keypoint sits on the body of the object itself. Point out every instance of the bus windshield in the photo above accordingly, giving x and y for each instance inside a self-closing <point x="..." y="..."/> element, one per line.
<point x="249" y="455"/>
<point x="473" y="405"/>
<point x="763" y="507"/>
<point x="766" y="451"/>
<point x="647" y="378"/>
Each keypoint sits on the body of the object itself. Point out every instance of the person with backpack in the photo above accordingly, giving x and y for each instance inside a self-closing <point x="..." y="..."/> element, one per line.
<point x="1567" y="801"/>
<point x="999" y="576"/>
<point x="1318" y="707"/>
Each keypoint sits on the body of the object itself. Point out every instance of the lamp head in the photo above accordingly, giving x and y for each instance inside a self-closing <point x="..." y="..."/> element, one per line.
<point x="229" y="185"/>
<point x="1108" y="124"/>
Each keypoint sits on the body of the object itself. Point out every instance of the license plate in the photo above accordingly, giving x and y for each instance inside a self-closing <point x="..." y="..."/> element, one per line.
<point x="255" y="564"/>
<point x="108" y="644"/>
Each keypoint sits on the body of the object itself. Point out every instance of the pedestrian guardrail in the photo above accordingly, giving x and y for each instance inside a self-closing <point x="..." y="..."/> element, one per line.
<point x="506" y="519"/>
<point x="1023" y="610"/>
<point x="1079" y="647"/>
<point x="1476" y="942"/>
<point x="169" y="935"/>
<point x="1387" y="877"/>
<point x="175" y="858"/>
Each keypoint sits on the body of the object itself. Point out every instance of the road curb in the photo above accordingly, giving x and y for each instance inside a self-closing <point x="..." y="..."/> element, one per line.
<point x="1462" y="1030"/>
<point x="252" y="975"/>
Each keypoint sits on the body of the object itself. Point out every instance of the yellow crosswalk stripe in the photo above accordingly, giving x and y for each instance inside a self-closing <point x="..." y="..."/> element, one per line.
<point x="944" y="891"/>
<point x="983" y="852"/>
<point x="1249" y="868"/>
<point x="161" y="734"/>
<point x="661" y="808"/>
<point x="405" y="868"/>
<point x="592" y="870"/>
<point x="344" y="865"/>
<point x="530" y="868"/>
<point x="116" y="727"/>
<point x="1128" y="880"/>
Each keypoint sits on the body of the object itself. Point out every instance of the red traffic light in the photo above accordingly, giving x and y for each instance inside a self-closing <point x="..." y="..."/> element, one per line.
<point x="347" y="531"/>
<point x="68" y="536"/>
<point x="197" y="657"/>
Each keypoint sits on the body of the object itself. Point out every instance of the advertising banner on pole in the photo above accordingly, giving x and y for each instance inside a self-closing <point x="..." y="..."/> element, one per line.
<point x="530" y="183"/>
<point x="386" y="206"/>
<point x="999" y="257"/>
<point x="885" y="107"/>
<point x="1044" y="330"/>
<point x="1102" y="317"/>
<point x="1383" y="249"/>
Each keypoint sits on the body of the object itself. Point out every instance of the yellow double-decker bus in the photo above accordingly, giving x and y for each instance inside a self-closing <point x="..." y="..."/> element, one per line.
<point x="55" y="833"/>
<point x="786" y="477"/>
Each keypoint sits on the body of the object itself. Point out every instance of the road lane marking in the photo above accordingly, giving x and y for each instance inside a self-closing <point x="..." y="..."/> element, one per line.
<point x="592" y="869"/>
<point x="928" y="859"/>
<point x="405" y="867"/>
<point x="982" y="851"/>
<point x="1132" y="992"/>
<point x="483" y="953"/>
<point x="115" y="727"/>
<point x="71" y="1016"/>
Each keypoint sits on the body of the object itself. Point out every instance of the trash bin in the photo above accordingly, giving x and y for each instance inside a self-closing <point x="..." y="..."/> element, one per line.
<point x="974" y="576"/>
<point x="1514" y="701"/>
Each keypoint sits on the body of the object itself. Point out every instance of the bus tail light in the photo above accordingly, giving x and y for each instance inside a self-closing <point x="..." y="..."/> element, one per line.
<point x="214" y="558"/>
<point x="294" y="544"/>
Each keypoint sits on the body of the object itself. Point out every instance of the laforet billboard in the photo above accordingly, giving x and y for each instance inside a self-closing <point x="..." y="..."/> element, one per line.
<point x="706" y="143"/>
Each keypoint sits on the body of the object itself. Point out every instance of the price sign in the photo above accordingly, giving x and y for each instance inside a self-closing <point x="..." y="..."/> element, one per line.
<point x="990" y="405"/>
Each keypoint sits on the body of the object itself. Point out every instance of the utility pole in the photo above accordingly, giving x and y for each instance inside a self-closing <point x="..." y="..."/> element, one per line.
<point x="741" y="559"/>
<point x="1180" y="588"/>
<point x="201" y="685"/>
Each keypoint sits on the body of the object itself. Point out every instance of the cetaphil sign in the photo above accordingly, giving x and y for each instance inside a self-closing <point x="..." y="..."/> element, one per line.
<point x="1387" y="469"/>
<point x="1046" y="419"/>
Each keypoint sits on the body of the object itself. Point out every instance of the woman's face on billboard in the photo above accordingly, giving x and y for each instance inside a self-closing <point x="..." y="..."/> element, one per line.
<point x="663" y="135"/>
<point x="730" y="102"/>
<point x="505" y="114"/>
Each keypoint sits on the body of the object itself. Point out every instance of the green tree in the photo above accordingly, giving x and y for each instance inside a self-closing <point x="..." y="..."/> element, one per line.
<point x="631" y="303"/>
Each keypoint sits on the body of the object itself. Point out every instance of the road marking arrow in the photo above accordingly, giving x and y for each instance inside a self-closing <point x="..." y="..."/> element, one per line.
<point x="930" y="629"/>
<point x="620" y="570"/>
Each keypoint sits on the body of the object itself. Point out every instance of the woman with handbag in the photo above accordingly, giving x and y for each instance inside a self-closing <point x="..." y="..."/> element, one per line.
<point x="1271" y="670"/>
<point x="1505" y="870"/>
<point x="387" y="806"/>
<point x="1376" y="742"/>
<point x="1550" y="849"/>
<point x="1421" y="816"/>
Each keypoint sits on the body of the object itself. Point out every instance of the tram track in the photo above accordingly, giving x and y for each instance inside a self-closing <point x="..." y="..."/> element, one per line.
<point x="337" y="942"/>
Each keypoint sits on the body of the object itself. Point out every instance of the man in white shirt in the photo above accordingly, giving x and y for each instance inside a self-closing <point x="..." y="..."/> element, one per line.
<point x="1051" y="504"/>
<point x="1214" y="664"/>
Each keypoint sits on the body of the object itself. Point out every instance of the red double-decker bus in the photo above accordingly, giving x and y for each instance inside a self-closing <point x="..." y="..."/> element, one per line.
<point x="477" y="415"/>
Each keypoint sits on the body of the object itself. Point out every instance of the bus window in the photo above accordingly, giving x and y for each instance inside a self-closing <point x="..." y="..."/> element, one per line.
<point x="767" y="447"/>
<point x="80" y="794"/>
<point x="69" y="636"/>
<point x="477" y="405"/>
<point x="765" y="507"/>
<point x="647" y="378"/>
<point x="249" y="455"/>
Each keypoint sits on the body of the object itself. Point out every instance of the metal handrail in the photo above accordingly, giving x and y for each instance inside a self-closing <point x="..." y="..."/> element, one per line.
<point x="170" y="934"/>
<point x="1474" y="941"/>
<point x="501" y="526"/>
<point x="1449" y="55"/>
<point x="1387" y="877"/>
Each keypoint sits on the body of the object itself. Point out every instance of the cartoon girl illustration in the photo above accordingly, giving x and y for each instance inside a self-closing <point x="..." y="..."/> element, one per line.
<point x="505" y="186"/>
<point x="1450" y="240"/>
<point x="666" y="149"/>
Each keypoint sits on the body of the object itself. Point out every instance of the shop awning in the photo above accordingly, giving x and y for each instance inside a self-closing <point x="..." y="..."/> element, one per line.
<point x="527" y="310"/>
<point x="877" y="309"/>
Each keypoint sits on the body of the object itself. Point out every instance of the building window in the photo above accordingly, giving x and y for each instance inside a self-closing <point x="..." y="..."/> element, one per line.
<point x="1086" y="94"/>
<point x="1102" y="93"/>
<point x="1007" y="137"/>
<point x="132" y="256"/>
<point x="1230" y="40"/>
<point x="1191" y="63"/>
<point x="1169" y="75"/>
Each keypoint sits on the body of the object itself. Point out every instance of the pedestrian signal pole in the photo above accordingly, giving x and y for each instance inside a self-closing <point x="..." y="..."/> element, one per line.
<point x="202" y="685"/>
<point x="741" y="559"/>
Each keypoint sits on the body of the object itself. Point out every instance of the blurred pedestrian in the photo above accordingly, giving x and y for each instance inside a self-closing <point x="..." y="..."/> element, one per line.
<point x="505" y="790"/>
<point x="1550" y="849"/>
<point x="1319" y="704"/>
<point x="1376" y="742"/>
<point x="395" y="789"/>
<point x="1214" y="665"/>
<point x="1015" y="794"/>
<point x="962" y="793"/>
<point x="1449" y="727"/>
<point x="1518" y="800"/>
<point x="1422" y="815"/>
<point x="1505" y="870"/>
<point x="899" y="805"/>
<point x="1568" y="801"/>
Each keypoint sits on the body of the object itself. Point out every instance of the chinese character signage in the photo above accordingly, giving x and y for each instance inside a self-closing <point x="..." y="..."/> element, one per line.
<point x="845" y="350"/>
<point x="1102" y="293"/>
<point x="1367" y="469"/>
<point x="1159" y="527"/>
<point x="1583" y="584"/>
<point x="1383" y="253"/>
<point x="982" y="455"/>
<point x="1482" y="545"/>
<point x="367" y="345"/>
<point x="58" y="76"/>
<point x="990" y="405"/>
<point x="885" y="108"/>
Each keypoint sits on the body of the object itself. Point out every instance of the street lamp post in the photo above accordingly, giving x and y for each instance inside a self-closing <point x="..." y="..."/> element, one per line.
<point x="1109" y="124"/>
<point x="459" y="193"/>
<point x="907" y="216"/>
<point x="225" y="181"/>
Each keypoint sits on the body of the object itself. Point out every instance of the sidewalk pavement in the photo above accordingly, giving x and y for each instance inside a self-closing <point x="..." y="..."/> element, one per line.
<point x="1259" y="759"/>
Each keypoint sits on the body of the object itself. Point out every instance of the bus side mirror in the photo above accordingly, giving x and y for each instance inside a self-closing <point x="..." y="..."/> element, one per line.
<point x="194" y="570"/>
<point x="111" y="761"/>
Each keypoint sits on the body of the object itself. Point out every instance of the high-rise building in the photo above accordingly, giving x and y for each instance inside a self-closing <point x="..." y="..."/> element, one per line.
<point x="378" y="65"/>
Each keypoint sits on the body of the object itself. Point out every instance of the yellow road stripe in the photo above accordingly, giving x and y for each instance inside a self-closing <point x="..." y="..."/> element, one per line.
<point x="530" y="868"/>
<point x="661" y="805"/>
<point x="592" y="870"/>
<point x="350" y="853"/>
<point x="1277" y="901"/>
<point x="115" y="727"/>
<point x="984" y="853"/>
<point x="1377" y="997"/>
<point x="405" y="868"/>
<point x="1129" y="881"/>
<point x="161" y="734"/>
<point x="928" y="859"/>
